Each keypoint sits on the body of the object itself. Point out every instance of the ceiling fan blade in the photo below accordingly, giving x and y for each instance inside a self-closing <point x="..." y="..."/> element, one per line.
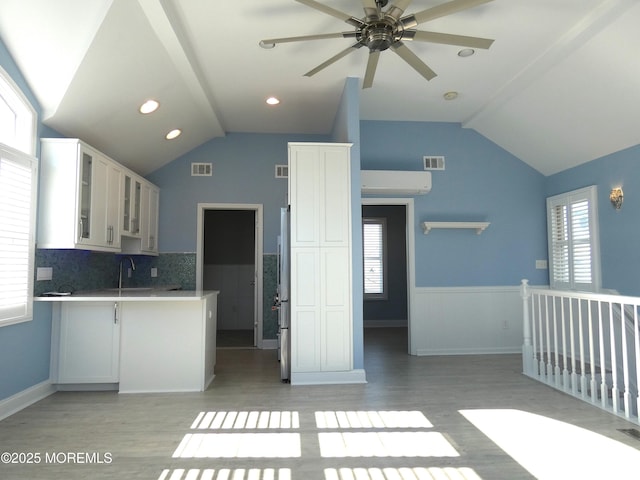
<point x="333" y="59"/>
<point x="370" y="8"/>
<point x="333" y="12"/>
<point x="268" y="42"/>
<point x="447" y="39"/>
<point x="412" y="59"/>
<point x="372" y="63"/>
<point x="438" y="11"/>
<point x="397" y="8"/>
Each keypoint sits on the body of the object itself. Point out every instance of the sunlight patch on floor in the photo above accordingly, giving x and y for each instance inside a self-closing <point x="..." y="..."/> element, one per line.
<point x="385" y="444"/>
<point x="372" y="419"/>
<point x="246" y="420"/>
<point x="551" y="449"/>
<point x="226" y="474"/>
<point x="420" y="473"/>
<point x="239" y="445"/>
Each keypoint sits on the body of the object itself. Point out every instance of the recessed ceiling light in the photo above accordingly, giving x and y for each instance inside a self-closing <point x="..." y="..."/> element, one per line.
<point x="466" y="52"/>
<point x="175" y="133"/>
<point x="149" y="106"/>
<point x="273" y="101"/>
<point x="450" y="95"/>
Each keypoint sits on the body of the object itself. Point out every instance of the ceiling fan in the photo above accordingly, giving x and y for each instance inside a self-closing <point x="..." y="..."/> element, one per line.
<point x="382" y="29"/>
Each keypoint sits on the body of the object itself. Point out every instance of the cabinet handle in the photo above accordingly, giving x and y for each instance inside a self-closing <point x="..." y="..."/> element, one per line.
<point x="115" y="313"/>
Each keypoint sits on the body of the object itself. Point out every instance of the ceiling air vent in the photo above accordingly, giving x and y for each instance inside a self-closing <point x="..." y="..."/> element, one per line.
<point x="201" y="169"/>
<point x="433" y="163"/>
<point x="282" y="171"/>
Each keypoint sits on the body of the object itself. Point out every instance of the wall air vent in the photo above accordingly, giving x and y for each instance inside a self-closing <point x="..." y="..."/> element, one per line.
<point x="201" y="169"/>
<point x="433" y="162"/>
<point x="282" y="171"/>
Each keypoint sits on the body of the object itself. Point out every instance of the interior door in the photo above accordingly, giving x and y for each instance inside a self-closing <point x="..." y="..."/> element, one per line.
<point x="229" y="266"/>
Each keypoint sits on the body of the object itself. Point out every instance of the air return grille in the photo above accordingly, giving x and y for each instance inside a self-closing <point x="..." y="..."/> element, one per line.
<point x="282" y="171"/>
<point x="201" y="169"/>
<point x="433" y="162"/>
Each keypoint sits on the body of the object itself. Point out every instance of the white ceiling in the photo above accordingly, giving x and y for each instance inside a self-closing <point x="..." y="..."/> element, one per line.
<point x="558" y="87"/>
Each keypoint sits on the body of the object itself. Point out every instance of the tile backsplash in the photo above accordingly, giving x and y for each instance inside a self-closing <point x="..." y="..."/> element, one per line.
<point x="76" y="270"/>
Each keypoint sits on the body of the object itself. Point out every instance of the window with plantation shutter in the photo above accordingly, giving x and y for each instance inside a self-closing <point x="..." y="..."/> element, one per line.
<point x="18" y="184"/>
<point x="573" y="240"/>
<point x="374" y="239"/>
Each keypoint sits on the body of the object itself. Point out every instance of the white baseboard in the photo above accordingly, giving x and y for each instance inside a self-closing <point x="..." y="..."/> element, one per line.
<point x="467" y="351"/>
<point x="23" y="399"/>
<point x="328" y="378"/>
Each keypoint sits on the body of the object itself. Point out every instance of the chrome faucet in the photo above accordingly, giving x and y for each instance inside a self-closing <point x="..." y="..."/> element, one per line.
<point x="133" y="267"/>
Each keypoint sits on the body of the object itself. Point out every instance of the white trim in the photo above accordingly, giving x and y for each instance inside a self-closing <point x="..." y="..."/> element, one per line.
<point x="259" y="253"/>
<point x="411" y="257"/>
<point x="328" y="378"/>
<point x="23" y="399"/>
<point x="468" y="320"/>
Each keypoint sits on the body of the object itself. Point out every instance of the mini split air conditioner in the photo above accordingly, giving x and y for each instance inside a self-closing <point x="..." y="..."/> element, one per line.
<point x="393" y="182"/>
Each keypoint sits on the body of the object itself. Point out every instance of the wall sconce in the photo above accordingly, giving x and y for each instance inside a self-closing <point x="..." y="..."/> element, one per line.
<point x="616" y="196"/>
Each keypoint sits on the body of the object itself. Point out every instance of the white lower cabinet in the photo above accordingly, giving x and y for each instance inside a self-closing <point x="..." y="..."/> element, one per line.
<point x="88" y="343"/>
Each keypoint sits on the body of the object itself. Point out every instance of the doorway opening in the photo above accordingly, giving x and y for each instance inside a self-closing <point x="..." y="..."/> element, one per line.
<point x="229" y="259"/>
<point x="387" y="306"/>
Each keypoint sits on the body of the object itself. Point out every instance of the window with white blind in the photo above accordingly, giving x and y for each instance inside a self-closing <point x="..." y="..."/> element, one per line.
<point x="572" y="228"/>
<point x="374" y="233"/>
<point x="18" y="186"/>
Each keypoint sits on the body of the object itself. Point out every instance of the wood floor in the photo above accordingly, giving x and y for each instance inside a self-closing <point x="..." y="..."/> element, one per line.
<point x="137" y="436"/>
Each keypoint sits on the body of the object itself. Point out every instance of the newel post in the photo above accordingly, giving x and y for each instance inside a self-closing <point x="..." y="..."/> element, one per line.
<point x="527" y="347"/>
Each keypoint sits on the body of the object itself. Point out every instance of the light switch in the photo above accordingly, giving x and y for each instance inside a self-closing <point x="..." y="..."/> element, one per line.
<point x="541" y="264"/>
<point x="44" y="273"/>
<point x="154" y="272"/>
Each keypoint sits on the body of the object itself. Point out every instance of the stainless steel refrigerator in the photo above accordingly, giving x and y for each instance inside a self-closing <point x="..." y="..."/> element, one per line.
<point x="282" y="297"/>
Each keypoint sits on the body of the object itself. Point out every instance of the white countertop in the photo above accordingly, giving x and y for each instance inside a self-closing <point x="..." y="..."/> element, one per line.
<point x="130" y="295"/>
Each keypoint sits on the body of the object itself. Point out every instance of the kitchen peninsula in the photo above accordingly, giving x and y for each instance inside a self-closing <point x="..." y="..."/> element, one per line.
<point x="134" y="340"/>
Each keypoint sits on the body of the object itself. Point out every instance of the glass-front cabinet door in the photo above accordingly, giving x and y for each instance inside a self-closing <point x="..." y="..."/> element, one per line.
<point x="85" y="196"/>
<point x="131" y="206"/>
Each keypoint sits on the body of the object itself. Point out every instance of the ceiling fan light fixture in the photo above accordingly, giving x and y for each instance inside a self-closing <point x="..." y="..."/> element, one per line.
<point x="450" y="95"/>
<point x="466" y="52"/>
<point x="175" y="133"/>
<point x="149" y="106"/>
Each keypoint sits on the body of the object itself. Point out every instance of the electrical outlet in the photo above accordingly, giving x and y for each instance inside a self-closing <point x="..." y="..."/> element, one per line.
<point x="154" y="272"/>
<point x="44" y="273"/>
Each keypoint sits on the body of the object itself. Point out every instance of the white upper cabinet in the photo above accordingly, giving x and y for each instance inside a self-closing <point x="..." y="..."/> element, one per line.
<point x="319" y="194"/>
<point x="87" y="201"/>
<point x="75" y="209"/>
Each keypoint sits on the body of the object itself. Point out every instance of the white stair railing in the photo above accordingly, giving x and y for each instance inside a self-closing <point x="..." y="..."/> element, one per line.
<point x="585" y="344"/>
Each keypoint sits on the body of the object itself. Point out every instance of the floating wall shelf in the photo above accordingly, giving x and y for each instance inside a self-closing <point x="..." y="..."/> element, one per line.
<point x="479" y="227"/>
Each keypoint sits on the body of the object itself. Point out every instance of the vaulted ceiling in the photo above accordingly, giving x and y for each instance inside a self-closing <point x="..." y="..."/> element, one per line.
<point x="557" y="88"/>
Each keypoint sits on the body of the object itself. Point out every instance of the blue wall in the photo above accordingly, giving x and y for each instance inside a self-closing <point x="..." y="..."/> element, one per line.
<point x="619" y="229"/>
<point x="24" y="348"/>
<point x="243" y="172"/>
<point x="481" y="182"/>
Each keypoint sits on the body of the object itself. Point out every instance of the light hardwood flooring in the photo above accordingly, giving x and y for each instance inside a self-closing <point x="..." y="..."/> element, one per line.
<point x="137" y="435"/>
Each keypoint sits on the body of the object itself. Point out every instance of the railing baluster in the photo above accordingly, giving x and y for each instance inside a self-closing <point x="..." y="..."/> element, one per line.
<point x="615" y="395"/>
<point x="636" y="335"/>
<point x="603" y="370"/>
<point x="541" y="365"/>
<point x="527" y="350"/>
<point x="574" y="376"/>
<point x="592" y="356"/>
<point x="625" y="362"/>
<point x="565" y="371"/>
<point x="548" y="334"/>
<point x="583" y="368"/>
<point x="556" y="355"/>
